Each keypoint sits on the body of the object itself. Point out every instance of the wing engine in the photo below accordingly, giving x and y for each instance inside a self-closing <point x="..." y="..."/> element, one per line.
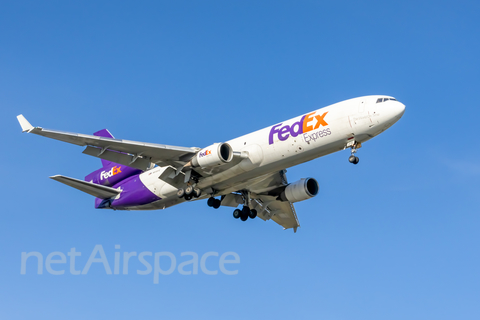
<point x="303" y="189"/>
<point x="213" y="156"/>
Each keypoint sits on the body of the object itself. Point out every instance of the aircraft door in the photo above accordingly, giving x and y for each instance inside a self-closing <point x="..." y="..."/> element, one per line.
<point x="361" y="119"/>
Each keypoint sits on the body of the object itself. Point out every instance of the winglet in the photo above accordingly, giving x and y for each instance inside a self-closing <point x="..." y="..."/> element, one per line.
<point x="26" y="126"/>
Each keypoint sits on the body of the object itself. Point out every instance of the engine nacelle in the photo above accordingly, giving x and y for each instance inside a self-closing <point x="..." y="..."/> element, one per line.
<point x="215" y="155"/>
<point x="303" y="189"/>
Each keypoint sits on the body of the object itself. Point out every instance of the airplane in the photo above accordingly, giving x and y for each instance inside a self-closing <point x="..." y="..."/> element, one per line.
<point x="248" y="171"/>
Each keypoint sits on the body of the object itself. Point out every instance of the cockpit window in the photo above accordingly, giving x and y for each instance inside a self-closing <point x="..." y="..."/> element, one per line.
<point x="385" y="99"/>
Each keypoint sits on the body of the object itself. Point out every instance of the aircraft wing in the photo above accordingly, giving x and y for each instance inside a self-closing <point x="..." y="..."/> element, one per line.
<point x="132" y="153"/>
<point x="265" y="201"/>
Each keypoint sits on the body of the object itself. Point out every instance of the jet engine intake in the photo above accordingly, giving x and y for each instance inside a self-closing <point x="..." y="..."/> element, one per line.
<point x="303" y="189"/>
<point x="215" y="155"/>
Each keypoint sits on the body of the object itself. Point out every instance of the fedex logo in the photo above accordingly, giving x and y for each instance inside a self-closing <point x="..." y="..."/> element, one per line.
<point x="205" y="153"/>
<point x="107" y="174"/>
<point x="307" y="123"/>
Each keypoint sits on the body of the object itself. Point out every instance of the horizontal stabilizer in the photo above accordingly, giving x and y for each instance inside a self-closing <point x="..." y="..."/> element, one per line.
<point x="93" y="189"/>
<point x="26" y="126"/>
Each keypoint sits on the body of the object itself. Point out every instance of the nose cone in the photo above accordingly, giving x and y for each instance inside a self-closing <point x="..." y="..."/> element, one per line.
<point x="399" y="109"/>
<point x="394" y="111"/>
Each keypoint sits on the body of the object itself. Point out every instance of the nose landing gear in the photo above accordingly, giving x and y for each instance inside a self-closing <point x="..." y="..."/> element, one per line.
<point x="354" y="145"/>
<point x="353" y="159"/>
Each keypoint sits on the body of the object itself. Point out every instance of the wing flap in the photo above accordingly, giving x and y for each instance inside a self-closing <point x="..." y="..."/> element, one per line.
<point x="171" y="177"/>
<point x="117" y="157"/>
<point x="282" y="212"/>
<point x="268" y="207"/>
<point x="93" y="189"/>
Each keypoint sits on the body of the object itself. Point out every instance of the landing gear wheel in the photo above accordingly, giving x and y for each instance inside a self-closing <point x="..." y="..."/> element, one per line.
<point x="180" y="193"/>
<point x="217" y="203"/>
<point x="188" y="190"/>
<point x="197" y="192"/>
<point x="188" y="197"/>
<point x="237" y="213"/>
<point x="210" y="202"/>
<point x="253" y="214"/>
<point x="354" y="145"/>
<point x="245" y="213"/>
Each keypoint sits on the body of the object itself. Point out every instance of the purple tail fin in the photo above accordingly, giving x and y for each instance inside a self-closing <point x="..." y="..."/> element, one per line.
<point x="106" y="134"/>
<point x="111" y="173"/>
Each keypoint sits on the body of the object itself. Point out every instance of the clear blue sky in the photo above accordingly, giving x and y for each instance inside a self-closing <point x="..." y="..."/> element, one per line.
<point x="395" y="237"/>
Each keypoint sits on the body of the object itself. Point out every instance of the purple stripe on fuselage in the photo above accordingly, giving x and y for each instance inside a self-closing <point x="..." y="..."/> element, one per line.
<point x="134" y="193"/>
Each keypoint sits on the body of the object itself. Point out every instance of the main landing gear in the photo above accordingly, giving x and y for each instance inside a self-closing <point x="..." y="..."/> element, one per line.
<point x="189" y="192"/>
<point x="215" y="203"/>
<point x="245" y="213"/>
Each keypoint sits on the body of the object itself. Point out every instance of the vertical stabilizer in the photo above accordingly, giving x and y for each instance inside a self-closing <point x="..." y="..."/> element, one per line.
<point x="110" y="173"/>
<point x="106" y="134"/>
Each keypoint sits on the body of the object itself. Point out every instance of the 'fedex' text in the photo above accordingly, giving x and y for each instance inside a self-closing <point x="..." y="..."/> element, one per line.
<point x="306" y="124"/>
<point x="205" y="153"/>
<point x="107" y="174"/>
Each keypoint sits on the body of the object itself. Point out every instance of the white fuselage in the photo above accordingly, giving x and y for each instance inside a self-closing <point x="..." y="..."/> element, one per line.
<point x="287" y="144"/>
